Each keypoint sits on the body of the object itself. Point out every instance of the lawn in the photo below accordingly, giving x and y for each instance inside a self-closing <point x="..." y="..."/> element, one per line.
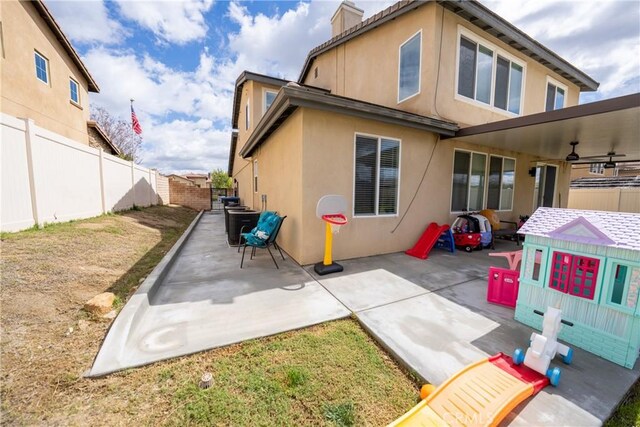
<point x="332" y="374"/>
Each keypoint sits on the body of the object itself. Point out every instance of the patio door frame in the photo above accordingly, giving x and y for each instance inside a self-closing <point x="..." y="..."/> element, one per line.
<point x="542" y="167"/>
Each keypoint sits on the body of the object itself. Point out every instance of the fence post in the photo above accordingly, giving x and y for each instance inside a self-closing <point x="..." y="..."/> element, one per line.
<point x="29" y="134"/>
<point x="133" y="185"/>
<point x="102" y="191"/>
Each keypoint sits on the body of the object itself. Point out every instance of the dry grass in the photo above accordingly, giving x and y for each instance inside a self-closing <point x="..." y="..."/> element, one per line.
<point x="328" y="374"/>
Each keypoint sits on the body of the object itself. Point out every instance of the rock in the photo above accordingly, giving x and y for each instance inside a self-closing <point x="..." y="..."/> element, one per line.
<point x="110" y="315"/>
<point x="100" y="304"/>
<point x="69" y="332"/>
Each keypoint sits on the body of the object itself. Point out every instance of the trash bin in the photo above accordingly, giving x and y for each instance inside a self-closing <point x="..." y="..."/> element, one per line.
<point x="239" y="219"/>
<point x="228" y="199"/>
<point x="227" y="209"/>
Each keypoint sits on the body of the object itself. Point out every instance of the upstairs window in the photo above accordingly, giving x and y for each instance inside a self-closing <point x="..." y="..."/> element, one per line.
<point x="74" y="95"/>
<point x="488" y="75"/>
<point x="42" y="68"/>
<point x="247" y="111"/>
<point x="377" y="169"/>
<point x="409" y="68"/>
<point x="596" y="168"/>
<point x="555" y="95"/>
<point x="269" y="96"/>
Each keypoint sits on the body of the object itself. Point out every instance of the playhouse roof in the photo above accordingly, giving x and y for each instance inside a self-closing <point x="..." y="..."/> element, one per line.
<point x="617" y="229"/>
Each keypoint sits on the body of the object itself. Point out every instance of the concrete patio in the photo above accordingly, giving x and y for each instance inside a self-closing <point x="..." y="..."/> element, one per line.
<point x="432" y="315"/>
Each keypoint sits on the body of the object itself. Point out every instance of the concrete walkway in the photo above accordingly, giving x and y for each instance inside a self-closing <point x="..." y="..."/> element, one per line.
<point x="431" y="315"/>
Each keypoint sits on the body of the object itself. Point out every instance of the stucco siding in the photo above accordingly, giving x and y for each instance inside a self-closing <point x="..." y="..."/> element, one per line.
<point x="23" y="95"/>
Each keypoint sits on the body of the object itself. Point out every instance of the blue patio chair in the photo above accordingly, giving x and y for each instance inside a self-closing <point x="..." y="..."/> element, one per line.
<point x="264" y="217"/>
<point x="264" y="237"/>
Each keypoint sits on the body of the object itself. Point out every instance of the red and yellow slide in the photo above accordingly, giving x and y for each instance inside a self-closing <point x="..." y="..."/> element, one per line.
<point x="481" y="394"/>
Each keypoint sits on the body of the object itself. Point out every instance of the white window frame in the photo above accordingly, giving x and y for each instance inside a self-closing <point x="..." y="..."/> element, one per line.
<point x="71" y="79"/>
<point x="515" y="170"/>
<point x="264" y="98"/>
<point x="555" y="184"/>
<point x="419" y="67"/>
<point x="247" y="115"/>
<point x="596" y="168"/>
<point x="484" y="190"/>
<point x="47" y="70"/>
<point x="255" y="175"/>
<point x="464" y="32"/>
<point x="377" y="184"/>
<point x="557" y="84"/>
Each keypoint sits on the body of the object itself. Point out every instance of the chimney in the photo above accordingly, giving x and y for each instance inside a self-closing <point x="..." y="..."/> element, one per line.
<point x="347" y="15"/>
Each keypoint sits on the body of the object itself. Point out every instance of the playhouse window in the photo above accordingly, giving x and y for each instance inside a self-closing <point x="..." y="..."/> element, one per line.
<point x="623" y="283"/>
<point x="574" y="274"/>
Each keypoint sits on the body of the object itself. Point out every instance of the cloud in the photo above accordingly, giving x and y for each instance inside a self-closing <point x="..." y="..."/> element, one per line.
<point x="172" y="21"/>
<point x="600" y="38"/>
<point x="87" y="22"/>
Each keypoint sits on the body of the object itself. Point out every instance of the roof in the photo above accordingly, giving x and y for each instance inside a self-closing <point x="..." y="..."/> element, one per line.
<point x="600" y="127"/>
<point x="293" y="95"/>
<point x="615" y="227"/>
<point x="607" y="182"/>
<point x="241" y="80"/>
<point x="478" y="15"/>
<point x="42" y="10"/>
<point x="196" y="175"/>
<point x="96" y="126"/>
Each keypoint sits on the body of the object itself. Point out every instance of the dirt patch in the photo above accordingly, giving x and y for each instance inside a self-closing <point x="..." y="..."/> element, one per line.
<point x="48" y="341"/>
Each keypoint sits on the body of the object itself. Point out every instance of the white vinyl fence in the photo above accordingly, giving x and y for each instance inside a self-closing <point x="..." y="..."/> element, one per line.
<point x="47" y="178"/>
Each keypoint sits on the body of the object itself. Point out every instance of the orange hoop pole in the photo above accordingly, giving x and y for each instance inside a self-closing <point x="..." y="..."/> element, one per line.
<point x="328" y="242"/>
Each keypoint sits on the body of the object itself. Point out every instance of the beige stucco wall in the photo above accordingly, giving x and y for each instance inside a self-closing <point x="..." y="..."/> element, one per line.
<point x="280" y="167"/>
<point x="23" y="95"/>
<point x="367" y="68"/>
<point x="582" y="171"/>
<point x="328" y="168"/>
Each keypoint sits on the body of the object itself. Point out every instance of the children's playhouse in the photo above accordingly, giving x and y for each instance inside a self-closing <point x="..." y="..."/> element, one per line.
<point x="586" y="263"/>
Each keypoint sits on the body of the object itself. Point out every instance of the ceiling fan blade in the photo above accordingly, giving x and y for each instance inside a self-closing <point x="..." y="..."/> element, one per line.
<point x="602" y="156"/>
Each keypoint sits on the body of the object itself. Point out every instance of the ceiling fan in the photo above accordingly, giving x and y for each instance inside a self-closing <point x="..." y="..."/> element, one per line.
<point x="575" y="158"/>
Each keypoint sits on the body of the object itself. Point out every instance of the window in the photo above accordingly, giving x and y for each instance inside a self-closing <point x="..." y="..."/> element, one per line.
<point x="488" y="75"/>
<point x="574" y="274"/>
<point x="469" y="172"/>
<point x="268" y="97"/>
<point x="255" y="176"/>
<point x="42" y="68"/>
<point x="73" y="91"/>
<point x="555" y="95"/>
<point x="409" y="68"/>
<point x="534" y="262"/>
<point x="623" y="285"/>
<point x="377" y="169"/>
<point x="501" y="183"/>
<point x="596" y="168"/>
<point x="247" y="110"/>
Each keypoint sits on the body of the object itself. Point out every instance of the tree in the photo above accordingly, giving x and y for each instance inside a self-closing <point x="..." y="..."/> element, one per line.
<point x="220" y="179"/>
<point x="119" y="132"/>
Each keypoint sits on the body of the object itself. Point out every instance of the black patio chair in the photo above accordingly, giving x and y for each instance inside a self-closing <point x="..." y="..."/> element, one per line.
<point x="264" y="244"/>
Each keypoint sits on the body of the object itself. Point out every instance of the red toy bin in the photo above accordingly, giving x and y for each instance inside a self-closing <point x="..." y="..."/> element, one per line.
<point x="503" y="286"/>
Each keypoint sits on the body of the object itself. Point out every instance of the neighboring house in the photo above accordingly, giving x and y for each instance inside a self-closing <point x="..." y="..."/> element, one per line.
<point x="588" y="264"/>
<point x="43" y="77"/>
<point x="416" y="114"/>
<point x="199" y="179"/>
<point x="181" y="180"/>
<point x="99" y="139"/>
<point x="614" y="193"/>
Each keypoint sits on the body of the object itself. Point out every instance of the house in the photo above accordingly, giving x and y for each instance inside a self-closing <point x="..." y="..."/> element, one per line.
<point x="99" y="139"/>
<point x="182" y="180"/>
<point x="43" y="77"/>
<point x="464" y="112"/>
<point x="588" y="264"/>
<point x="199" y="179"/>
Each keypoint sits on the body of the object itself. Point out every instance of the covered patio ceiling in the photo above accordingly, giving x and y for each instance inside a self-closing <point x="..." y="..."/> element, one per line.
<point x="612" y="125"/>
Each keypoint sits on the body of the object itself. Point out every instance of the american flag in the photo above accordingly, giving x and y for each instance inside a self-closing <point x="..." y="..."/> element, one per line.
<point x="135" y="124"/>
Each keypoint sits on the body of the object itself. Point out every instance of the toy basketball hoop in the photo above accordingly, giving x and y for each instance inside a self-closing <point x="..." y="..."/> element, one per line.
<point x="331" y="209"/>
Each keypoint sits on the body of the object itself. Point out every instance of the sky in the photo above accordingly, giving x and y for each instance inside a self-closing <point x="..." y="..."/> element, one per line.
<point x="179" y="59"/>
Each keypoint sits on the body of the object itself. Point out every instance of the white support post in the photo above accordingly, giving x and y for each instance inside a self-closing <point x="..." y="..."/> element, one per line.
<point x="29" y="135"/>
<point x="102" y="190"/>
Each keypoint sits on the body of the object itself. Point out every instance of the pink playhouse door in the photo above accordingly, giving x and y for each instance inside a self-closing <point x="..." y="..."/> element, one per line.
<point x="503" y="286"/>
